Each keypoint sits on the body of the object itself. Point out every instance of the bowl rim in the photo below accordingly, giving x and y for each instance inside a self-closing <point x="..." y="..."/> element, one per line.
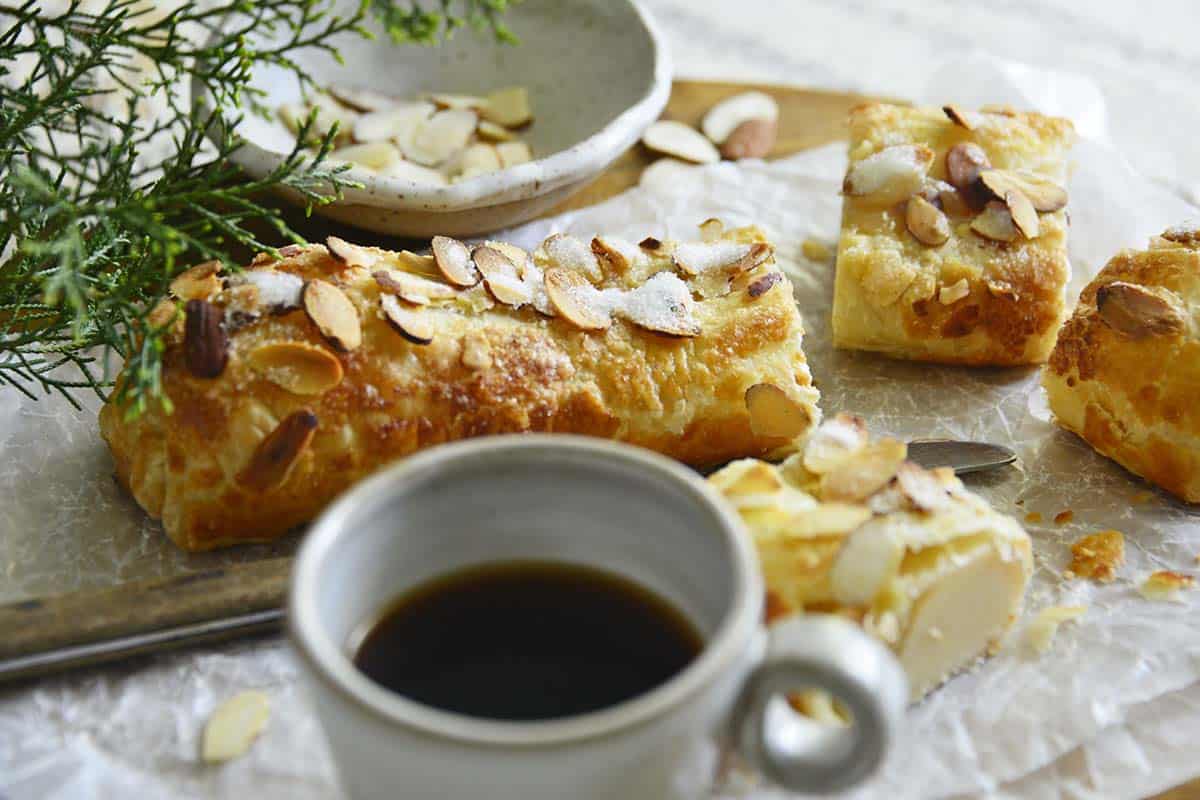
<point x="580" y="161"/>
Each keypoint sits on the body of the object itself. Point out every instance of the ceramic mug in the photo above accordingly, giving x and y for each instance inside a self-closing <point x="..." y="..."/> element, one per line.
<point x="608" y="506"/>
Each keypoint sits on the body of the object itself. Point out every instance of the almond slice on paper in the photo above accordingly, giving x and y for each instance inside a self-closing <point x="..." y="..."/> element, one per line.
<point x="438" y="138"/>
<point x="995" y="222"/>
<point x="890" y="175"/>
<point x="492" y="132"/>
<point x="1137" y="311"/>
<point x="197" y="283"/>
<point x="397" y="122"/>
<point x="961" y="117"/>
<point x="350" y="254"/>
<point x="673" y="138"/>
<point x="863" y="473"/>
<point x="205" y="343"/>
<point x="409" y="323"/>
<point x="570" y="293"/>
<point x="234" y="726"/>
<point x="372" y="155"/>
<point x="275" y="455"/>
<point x="1043" y="193"/>
<point x="508" y="107"/>
<point x="725" y="117"/>
<point x="362" y="99"/>
<point x="513" y="154"/>
<point x="1165" y="585"/>
<point x="926" y="222"/>
<point x="754" y="138"/>
<point x="774" y="413"/>
<point x="453" y="259"/>
<point x="333" y="314"/>
<point x="569" y="252"/>
<point x="663" y="304"/>
<point x="298" y="367"/>
<point x="413" y="288"/>
<point x="1024" y="215"/>
<point x="410" y="171"/>
<point x="833" y="441"/>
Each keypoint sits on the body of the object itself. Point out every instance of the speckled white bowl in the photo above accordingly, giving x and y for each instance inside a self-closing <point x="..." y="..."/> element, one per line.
<point x="598" y="75"/>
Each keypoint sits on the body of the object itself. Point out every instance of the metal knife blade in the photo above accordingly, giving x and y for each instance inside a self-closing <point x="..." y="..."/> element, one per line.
<point x="963" y="457"/>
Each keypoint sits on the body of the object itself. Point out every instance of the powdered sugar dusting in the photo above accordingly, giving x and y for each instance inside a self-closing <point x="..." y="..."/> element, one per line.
<point x="663" y="303"/>
<point x="700" y="257"/>
<point x="276" y="290"/>
<point x="572" y="253"/>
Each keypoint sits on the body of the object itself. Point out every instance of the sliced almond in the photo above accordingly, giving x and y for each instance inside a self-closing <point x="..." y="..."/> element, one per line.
<point x="1137" y="311"/>
<point x="749" y="476"/>
<point x="438" y="138"/>
<point x="517" y="255"/>
<point x="1043" y="193"/>
<point x="862" y="474"/>
<point x="275" y="455"/>
<point x="352" y="255"/>
<point x="493" y="132"/>
<point x="1023" y="213"/>
<point x="620" y="254"/>
<point x="949" y="295"/>
<point x="508" y="107"/>
<point x="399" y="122"/>
<point x="760" y="286"/>
<point x="409" y="171"/>
<point x="1185" y="233"/>
<point x="890" y="175"/>
<point x="512" y="154"/>
<point x="962" y="118"/>
<point x="413" y="288"/>
<point x="492" y="263"/>
<point x="650" y="243"/>
<point x="724" y="118"/>
<point x="569" y="252"/>
<point x="408" y="322"/>
<point x="868" y="558"/>
<point x="453" y="259"/>
<point x="726" y="257"/>
<point x="964" y="162"/>
<point x="570" y="294"/>
<point x="372" y="155"/>
<point x="197" y="283"/>
<point x="754" y="138"/>
<point x="835" y="440"/>
<point x="926" y="222"/>
<point x="479" y="159"/>
<point x="333" y="314"/>
<point x="298" y="367"/>
<point x="676" y="139"/>
<point x="663" y="304"/>
<point x="234" y="726"/>
<point x="995" y="222"/>
<point x="711" y="229"/>
<point x="509" y="290"/>
<point x="774" y="413"/>
<point x="476" y="352"/>
<point x="921" y="488"/>
<point x="458" y="101"/>
<point x="205" y="343"/>
<point x="362" y="99"/>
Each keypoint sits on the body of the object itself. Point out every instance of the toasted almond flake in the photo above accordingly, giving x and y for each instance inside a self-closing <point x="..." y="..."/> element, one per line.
<point x="438" y="138"/>
<point x="964" y="162"/>
<point x="476" y="352"/>
<point x="774" y="413"/>
<point x="890" y="175"/>
<point x="620" y="254"/>
<point x="408" y="171"/>
<point x="479" y="159"/>
<point x="1098" y="555"/>
<point x="492" y="263"/>
<point x="962" y="118"/>
<point x="570" y="293"/>
<point x="1137" y="311"/>
<point x="815" y="250"/>
<point x="234" y="726"/>
<point x="673" y="138"/>
<point x="760" y="286"/>
<point x="352" y="255"/>
<point x="410" y="323"/>
<point x="1185" y="233"/>
<point x="333" y="314"/>
<point x="921" y="488"/>
<point x="569" y="252"/>
<point x="729" y="258"/>
<point x="457" y="101"/>
<point x="413" y="288"/>
<point x="867" y="559"/>
<point x="274" y="457"/>
<point x="197" y="283"/>
<point x="835" y="440"/>
<point x="663" y="304"/>
<point x="509" y="289"/>
<point x="508" y="107"/>
<point x="373" y="155"/>
<point x="864" y="472"/>
<point x="513" y="154"/>
<point x="995" y="222"/>
<point x="493" y="132"/>
<point x="1042" y="193"/>
<point x="1023" y="213"/>
<point x="398" y="123"/>
<point x="747" y="476"/>
<point x="949" y="295"/>
<point x="754" y="138"/>
<point x="725" y="117"/>
<point x="711" y="230"/>
<point x="1042" y="629"/>
<point x="1165" y="585"/>
<point x="650" y="243"/>
<point x="926" y="222"/>
<point x="298" y="367"/>
<point x="453" y="260"/>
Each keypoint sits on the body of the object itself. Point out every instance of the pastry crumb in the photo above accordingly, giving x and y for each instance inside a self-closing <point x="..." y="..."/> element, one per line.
<point x="815" y="250"/>
<point x="1164" y="586"/>
<point x="1041" y="631"/>
<point x="1098" y="555"/>
<point x="1033" y="517"/>
<point x="1063" y="517"/>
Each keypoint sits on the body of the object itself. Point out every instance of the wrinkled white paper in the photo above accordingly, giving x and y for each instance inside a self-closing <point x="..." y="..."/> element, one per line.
<point x="1109" y="711"/>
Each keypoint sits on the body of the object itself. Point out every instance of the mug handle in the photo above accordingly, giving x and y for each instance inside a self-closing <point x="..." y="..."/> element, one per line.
<point x="831" y="654"/>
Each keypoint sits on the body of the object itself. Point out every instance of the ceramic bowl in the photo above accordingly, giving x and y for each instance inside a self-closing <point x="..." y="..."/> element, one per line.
<point x="597" y="73"/>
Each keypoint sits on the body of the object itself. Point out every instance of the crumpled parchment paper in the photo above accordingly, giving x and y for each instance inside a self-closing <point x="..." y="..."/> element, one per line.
<point x="1109" y="711"/>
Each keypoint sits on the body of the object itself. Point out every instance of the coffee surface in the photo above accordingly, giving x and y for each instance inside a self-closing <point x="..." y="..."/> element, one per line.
<point x="525" y="641"/>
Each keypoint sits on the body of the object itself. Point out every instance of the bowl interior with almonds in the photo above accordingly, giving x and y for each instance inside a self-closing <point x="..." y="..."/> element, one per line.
<point x="472" y="135"/>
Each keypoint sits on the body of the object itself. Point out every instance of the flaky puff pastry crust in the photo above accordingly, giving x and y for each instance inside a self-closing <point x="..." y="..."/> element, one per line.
<point x="489" y="369"/>
<point x="898" y="296"/>
<point x="1125" y="373"/>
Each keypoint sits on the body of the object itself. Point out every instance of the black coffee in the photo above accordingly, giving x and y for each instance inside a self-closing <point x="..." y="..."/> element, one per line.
<point x="527" y="641"/>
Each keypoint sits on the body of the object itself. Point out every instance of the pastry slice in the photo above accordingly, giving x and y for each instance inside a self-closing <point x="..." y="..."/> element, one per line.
<point x="846" y="526"/>
<point x="954" y="235"/>
<point x="293" y="378"/>
<point x="1125" y="373"/>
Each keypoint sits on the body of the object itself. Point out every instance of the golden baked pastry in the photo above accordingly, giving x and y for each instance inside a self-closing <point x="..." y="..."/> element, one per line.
<point x="954" y="235"/>
<point x="846" y="526"/>
<point x="1125" y="373"/>
<point x="293" y="379"/>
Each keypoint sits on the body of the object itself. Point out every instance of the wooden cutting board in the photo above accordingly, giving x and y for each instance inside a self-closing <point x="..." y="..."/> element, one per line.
<point x="45" y="634"/>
